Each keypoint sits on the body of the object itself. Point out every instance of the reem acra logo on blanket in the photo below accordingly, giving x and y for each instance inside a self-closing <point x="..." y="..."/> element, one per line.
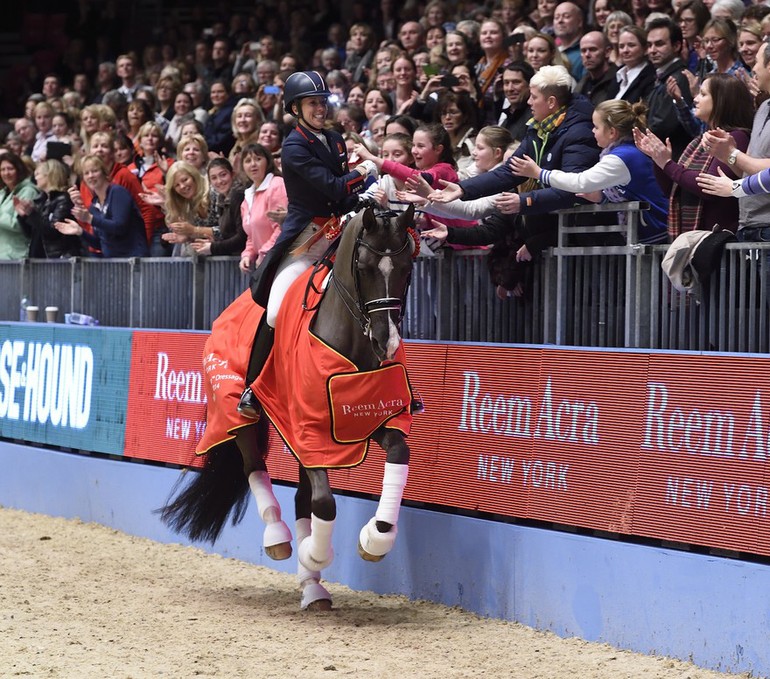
<point x="372" y="409"/>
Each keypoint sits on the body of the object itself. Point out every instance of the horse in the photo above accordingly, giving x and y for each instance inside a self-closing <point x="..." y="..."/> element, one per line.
<point x="349" y="310"/>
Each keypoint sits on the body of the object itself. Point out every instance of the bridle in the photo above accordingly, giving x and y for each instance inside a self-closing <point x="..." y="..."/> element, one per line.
<point x="359" y="309"/>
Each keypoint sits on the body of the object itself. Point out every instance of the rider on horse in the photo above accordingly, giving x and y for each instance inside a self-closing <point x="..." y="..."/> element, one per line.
<point x="320" y="188"/>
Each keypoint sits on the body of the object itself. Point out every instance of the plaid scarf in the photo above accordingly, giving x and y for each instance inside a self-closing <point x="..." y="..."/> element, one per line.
<point x="684" y="208"/>
<point x="543" y="129"/>
<point x="549" y="124"/>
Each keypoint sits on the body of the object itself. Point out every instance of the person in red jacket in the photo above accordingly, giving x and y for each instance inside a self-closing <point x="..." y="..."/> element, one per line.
<point x="150" y="167"/>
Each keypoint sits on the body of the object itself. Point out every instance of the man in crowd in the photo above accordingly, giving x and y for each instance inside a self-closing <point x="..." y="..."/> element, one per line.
<point x="126" y="69"/>
<point x="516" y="111"/>
<point x="411" y="35"/>
<point x="26" y="131"/>
<point x="568" y="27"/>
<point x="220" y="60"/>
<point x="52" y="86"/>
<point x="664" y="44"/>
<point x="600" y="82"/>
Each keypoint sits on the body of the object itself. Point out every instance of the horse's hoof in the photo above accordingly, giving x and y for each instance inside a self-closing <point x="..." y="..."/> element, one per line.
<point x="373" y="545"/>
<point x="315" y="597"/>
<point x="366" y="556"/>
<point x="279" y="552"/>
<point x="319" y="606"/>
<point x="276" y="541"/>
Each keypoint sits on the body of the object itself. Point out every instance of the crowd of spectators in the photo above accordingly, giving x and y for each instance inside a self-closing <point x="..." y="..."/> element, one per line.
<point x="173" y="149"/>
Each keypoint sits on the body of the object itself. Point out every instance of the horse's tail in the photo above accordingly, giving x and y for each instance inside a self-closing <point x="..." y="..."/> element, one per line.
<point x="201" y="508"/>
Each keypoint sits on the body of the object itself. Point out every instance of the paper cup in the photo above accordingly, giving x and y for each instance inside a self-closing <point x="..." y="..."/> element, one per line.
<point x="51" y="314"/>
<point x="32" y="313"/>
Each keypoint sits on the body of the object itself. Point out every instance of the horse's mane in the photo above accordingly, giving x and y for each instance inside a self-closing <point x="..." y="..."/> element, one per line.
<point x="342" y="262"/>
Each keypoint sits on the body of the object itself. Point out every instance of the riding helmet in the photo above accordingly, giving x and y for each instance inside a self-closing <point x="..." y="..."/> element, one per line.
<point x="303" y="84"/>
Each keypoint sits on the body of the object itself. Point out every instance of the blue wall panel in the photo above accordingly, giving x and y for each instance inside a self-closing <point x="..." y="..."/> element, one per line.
<point x="64" y="385"/>
<point x="713" y="611"/>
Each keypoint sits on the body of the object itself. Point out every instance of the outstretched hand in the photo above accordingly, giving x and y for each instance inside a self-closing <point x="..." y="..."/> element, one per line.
<point x="715" y="186"/>
<point x="417" y="184"/>
<point x="448" y="193"/>
<point x="439" y="232"/>
<point x="524" y="166"/>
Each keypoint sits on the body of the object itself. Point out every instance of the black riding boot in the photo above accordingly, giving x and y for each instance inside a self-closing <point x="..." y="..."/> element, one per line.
<point x="249" y="406"/>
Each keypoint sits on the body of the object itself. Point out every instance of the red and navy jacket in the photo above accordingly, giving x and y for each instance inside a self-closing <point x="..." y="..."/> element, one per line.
<point x="318" y="180"/>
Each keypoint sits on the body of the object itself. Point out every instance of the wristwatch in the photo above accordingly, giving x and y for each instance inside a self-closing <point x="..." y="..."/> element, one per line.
<point x="732" y="157"/>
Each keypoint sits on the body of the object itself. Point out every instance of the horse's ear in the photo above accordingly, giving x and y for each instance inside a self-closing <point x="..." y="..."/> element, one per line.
<point x="369" y="220"/>
<point x="406" y="219"/>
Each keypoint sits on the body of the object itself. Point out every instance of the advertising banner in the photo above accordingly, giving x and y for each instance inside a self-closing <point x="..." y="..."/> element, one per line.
<point x="660" y="445"/>
<point x="166" y="401"/>
<point x="64" y="386"/>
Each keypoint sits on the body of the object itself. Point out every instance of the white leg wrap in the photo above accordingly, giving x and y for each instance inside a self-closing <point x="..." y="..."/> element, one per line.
<point x="393" y="483"/>
<point x="276" y="531"/>
<point x="375" y="543"/>
<point x="262" y="489"/>
<point x="309" y="580"/>
<point x="315" y="552"/>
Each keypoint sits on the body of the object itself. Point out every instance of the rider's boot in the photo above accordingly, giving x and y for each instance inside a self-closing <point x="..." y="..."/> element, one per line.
<point x="248" y="406"/>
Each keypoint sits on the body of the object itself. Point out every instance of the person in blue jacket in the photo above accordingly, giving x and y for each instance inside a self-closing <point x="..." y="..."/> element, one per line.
<point x="116" y="225"/>
<point x="623" y="172"/>
<point x="320" y="188"/>
<point x="560" y="136"/>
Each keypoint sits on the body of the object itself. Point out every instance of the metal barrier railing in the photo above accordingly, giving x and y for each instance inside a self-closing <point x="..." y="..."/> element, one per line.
<point x="602" y="296"/>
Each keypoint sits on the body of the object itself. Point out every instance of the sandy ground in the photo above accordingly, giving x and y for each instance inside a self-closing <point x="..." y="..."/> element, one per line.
<point x="81" y="600"/>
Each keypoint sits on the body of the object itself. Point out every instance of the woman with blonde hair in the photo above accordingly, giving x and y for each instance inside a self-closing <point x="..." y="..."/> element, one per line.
<point x="188" y="213"/>
<point x="193" y="149"/>
<point x="37" y="217"/>
<point x="150" y="167"/>
<point x="542" y="51"/>
<point x="117" y="227"/>
<point x="246" y="119"/>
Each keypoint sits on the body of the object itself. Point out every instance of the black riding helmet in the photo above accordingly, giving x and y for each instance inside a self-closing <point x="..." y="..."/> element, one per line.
<point x="303" y="84"/>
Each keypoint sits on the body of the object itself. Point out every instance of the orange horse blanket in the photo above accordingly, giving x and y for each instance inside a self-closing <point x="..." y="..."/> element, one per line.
<point x="324" y="408"/>
<point x="322" y="405"/>
<point x="225" y="361"/>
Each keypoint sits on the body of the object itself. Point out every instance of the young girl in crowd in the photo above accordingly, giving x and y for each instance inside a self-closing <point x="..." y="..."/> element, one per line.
<point x="395" y="148"/>
<point x="433" y="159"/>
<point x="623" y="172"/>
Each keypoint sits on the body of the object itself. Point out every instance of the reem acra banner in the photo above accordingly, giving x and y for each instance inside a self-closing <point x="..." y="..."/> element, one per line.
<point x="661" y="445"/>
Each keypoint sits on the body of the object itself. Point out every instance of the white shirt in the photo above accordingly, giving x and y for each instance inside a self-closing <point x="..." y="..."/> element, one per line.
<point x="626" y="77"/>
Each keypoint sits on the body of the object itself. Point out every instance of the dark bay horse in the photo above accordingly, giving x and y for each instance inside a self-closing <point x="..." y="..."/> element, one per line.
<point x="353" y="387"/>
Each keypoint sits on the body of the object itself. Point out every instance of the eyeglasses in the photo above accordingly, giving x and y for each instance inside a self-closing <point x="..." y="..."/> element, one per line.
<point x="711" y="41"/>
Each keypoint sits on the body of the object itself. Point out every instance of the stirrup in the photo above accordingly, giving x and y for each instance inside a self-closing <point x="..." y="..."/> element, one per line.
<point x="248" y="405"/>
<point x="417" y="406"/>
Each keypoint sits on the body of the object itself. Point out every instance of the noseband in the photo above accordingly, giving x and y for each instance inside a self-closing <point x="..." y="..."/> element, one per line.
<point x="361" y="310"/>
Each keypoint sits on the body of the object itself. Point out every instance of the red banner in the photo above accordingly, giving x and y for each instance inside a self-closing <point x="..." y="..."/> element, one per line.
<point x="670" y="446"/>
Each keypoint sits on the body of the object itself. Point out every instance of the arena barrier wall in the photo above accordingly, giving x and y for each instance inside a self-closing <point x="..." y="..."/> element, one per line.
<point x="671" y="447"/>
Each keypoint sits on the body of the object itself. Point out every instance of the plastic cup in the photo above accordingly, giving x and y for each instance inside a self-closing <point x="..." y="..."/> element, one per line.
<point x="32" y="313"/>
<point x="51" y="314"/>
